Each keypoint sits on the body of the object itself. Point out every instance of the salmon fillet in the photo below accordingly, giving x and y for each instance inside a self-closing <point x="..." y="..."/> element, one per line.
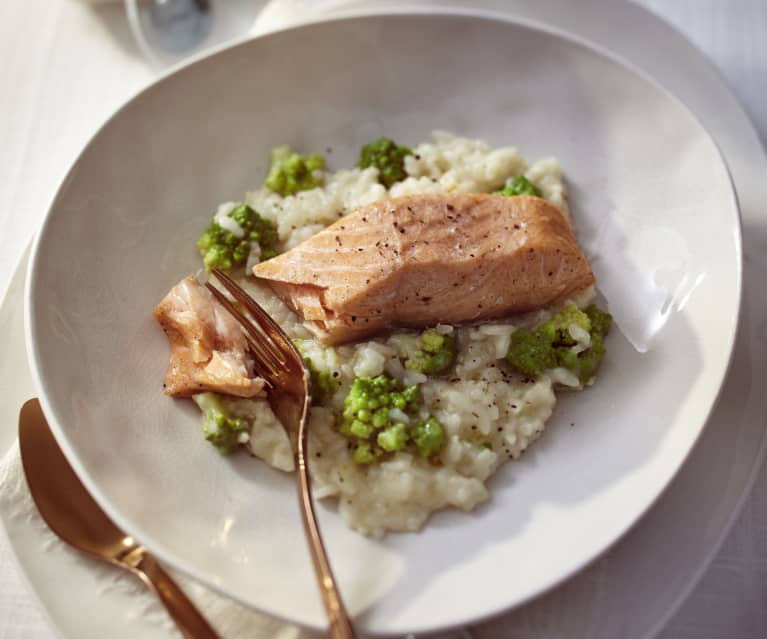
<point x="420" y="260"/>
<point x="208" y="351"/>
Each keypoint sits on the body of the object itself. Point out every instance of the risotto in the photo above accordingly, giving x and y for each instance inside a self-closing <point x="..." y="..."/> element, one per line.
<point x="489" y="413"/>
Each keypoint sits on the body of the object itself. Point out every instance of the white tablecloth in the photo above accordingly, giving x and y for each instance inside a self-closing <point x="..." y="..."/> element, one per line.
<point x="65" y="66"/>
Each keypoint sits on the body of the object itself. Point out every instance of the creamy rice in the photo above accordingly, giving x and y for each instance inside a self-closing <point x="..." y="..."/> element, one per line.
<point x="489" y="414"/>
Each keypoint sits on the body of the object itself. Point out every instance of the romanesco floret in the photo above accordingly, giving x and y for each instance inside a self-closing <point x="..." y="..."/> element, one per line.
<point x="389" y="158"/>
<point x="373" y="420"/>
<point x="429" y="436"/>
<point x="393" y="437"/>
<point x="291" y="172"/>
<point x="520" y="185"/>
<point x="558" y="327"/>
<point x="364" y="453"/>
<point x="586" y="364"/>
<point x="573" y="339"/>
<point x="222" y="429"/>
<point x="323" y="383"/>
<point x="434" y="354"/>
<point x="601" y="322"/>
<point x="223" y="249"/>
<point x="531" y="352"/>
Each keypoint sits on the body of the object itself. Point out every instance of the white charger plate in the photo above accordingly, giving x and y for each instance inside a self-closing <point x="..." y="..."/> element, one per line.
<point x="651" y="173"/>
<point x="671" y="577"/>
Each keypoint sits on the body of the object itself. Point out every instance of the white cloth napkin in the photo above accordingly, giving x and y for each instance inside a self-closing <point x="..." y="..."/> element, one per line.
<point x="231" y="620"/>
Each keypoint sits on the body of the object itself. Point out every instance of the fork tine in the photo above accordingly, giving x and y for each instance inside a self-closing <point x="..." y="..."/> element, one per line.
<point x="267" y="324"/>
<point x="272" y="350"/>
<point x="264" y="376"/>
<point x="267" y="381"/>
<point x="259" y="341"/>
<point x="258" y="313"/>
<point x="264" y="365"/>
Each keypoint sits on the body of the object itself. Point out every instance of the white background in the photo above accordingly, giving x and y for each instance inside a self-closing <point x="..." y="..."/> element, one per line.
<point x="64" y="66"/>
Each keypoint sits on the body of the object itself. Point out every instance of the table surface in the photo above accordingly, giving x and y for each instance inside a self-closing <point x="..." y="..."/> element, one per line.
<point x="70" y="65"/>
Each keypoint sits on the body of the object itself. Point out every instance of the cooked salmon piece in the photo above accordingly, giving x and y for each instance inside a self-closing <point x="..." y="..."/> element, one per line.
<point x="208" y="351"/>
<point x="420" y="260"/>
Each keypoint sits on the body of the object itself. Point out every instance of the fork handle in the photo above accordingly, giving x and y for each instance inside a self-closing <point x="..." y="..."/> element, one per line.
<point x="341" y="629"/>
<point x="339" y="625"/>
<point x="188" y="619"/>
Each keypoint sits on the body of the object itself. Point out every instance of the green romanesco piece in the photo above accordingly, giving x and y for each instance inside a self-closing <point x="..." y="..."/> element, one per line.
<point x="224" y="250"/>
<point x="520" y="185"/>
<point x="601" y="322"/>
<point x="364" y="453"/>
<point x="393" y="438"/>
<point x="531" y="352"/>
<point x="323" y="383"/>
<point x="428" y="436"/>
<point x="558" y="327"/>
<point x="389" y="158"/>
<point x="434" y="354"/>
<point x="586" y="363"/>
<point x="291" y="172"/>
<point x="556" y="343"/>
<point x="220" y="427"/>
<point x="372" y="428"/>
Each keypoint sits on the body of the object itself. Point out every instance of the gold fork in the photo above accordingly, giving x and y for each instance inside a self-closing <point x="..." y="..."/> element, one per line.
<point x="278" y="361"/>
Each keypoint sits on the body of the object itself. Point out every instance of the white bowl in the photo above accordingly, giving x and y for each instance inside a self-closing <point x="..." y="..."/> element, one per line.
<point x="654" y="209"/>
